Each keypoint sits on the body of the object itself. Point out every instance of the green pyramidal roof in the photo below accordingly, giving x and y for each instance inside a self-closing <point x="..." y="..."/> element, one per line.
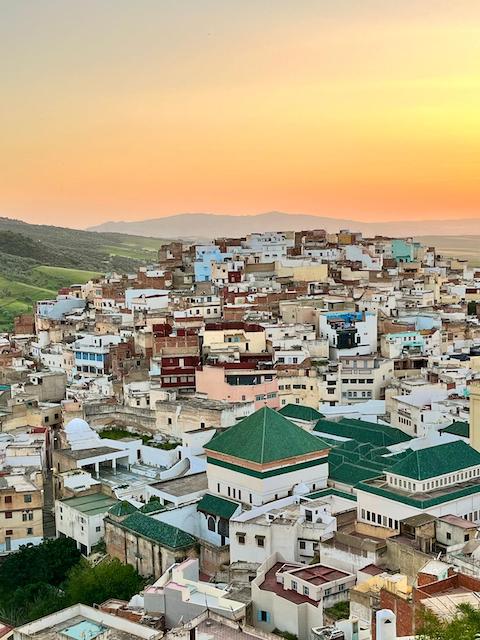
<point x="437" y="461"/>
<point x="265" y="436"/>
<point x="122" y="508"/>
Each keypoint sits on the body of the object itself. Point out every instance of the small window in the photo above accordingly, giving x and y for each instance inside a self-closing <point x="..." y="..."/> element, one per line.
<point x="260" y="542"/>
<point x="302" y="544"/>
<point x="241" y="539"/>
<point x="8" y="499"/>
<point x="263" y="616"/>
<point x="98" y="529"/>
<point x="8" y="515"/>
<point x="9" y="532"/>
<point x="29" y="531"/>
<point x="211" y="523"/>
<point x="27" y="498"/>
<point x="305" y="591"/>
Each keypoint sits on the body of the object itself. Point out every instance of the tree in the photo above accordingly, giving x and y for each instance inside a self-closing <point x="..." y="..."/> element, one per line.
<point x="48" y="562"/>
<point x="95" y="584"/>
<point x="464" y="626"/>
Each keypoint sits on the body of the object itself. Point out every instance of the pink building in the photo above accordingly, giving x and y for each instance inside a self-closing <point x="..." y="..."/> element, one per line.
<point x="239" y="382"/>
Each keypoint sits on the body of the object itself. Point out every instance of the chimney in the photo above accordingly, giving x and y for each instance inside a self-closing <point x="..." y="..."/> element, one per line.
<point x="474" y="419"/>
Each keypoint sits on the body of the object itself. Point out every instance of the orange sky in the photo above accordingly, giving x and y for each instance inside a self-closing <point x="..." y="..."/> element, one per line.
<point x="129" y="110"/>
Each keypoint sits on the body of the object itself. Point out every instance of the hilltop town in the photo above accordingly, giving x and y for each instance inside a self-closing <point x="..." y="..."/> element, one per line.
<point x="279" y="433"/>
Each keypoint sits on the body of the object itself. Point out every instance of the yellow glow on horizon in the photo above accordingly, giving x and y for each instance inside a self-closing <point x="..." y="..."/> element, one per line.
<point x="306" y="108"/>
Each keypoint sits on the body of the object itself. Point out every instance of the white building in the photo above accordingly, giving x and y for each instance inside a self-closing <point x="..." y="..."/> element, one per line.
<point x="81" y="519"/>
<point x="441" y="480"/>
<point x="291" y="597"/>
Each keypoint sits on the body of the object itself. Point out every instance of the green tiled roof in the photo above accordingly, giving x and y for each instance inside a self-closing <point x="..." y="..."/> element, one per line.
<point x="92" y="504"/>
<point x="153" y="507"/>
<point x="351" y="462"/>
<point x="362" y="431"/>
<point x="122" y="508"/>
<point x="164" y="534"/>
<point x="265" y="436"/>
<point x="300" y="412"/>
<point x="217" y="506"/>
<point x="351" y="474"/>
<point x="437" y="461"/>
<point x="458" y="429"/>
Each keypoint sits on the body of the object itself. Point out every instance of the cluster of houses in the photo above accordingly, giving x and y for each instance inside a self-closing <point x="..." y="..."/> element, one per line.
<point x="280" y="433"/>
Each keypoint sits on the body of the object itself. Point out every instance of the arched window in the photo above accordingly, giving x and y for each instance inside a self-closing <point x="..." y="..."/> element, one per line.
<point x="211" y="523"/>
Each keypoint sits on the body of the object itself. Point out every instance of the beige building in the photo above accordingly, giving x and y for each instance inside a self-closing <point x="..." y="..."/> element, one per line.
<point x="176" y="418"/>
<point x="239" y="336"/>
<point x="21" y="504"/>
<point x="365" y="378"/>
<point x="147" y="544"/>
<point x="309" y="384"/>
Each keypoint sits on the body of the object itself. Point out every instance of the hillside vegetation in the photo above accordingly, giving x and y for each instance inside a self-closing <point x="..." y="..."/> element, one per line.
<point x="37" y="260"/>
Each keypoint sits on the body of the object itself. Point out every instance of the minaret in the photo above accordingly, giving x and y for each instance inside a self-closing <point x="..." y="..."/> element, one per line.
<point x="474" y="420"/>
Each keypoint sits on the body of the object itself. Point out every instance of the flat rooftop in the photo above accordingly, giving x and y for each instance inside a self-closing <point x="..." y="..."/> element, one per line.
<point x="217" y="631"/>
<point x="81" y="622"/>
<point x="92" y="504"/>
<point x="93" y="452"/>
<point x="196" y="403"/>
<point x="183" y="486"/>
<point x="424" y="499"/>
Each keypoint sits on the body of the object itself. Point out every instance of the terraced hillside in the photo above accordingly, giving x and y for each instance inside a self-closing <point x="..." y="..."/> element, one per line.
<point x="37" y="260"/>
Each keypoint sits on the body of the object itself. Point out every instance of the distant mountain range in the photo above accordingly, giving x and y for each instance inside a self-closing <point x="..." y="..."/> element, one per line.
<point x="208" y="225"/>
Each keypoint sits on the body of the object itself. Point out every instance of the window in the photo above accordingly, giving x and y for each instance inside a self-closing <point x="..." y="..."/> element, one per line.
<point x="9" y="532"/>
<point x="29" y="531"/>
<point x="302" y="544"/>
<point x="263" y="616"/>
<point x="341" y="587"/>
<point x="8" y="499"/>
<point x="260" y="541"/>
<point x="305" y="591"/>
<point x="211" y="523"/>
<point x="449" y="535"/>
<point x="8" y="515"/>
<point x="294" y="585"/>
<point x="98" y="529"/>
<point x="466" y="537"/>
<point x="241" y="538"/>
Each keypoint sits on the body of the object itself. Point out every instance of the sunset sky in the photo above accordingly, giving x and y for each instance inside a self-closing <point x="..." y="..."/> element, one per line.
<point x="132" y="109"/>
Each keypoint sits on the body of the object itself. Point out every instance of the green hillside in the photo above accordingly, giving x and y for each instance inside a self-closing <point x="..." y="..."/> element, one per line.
<point x="37" y="260"/>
